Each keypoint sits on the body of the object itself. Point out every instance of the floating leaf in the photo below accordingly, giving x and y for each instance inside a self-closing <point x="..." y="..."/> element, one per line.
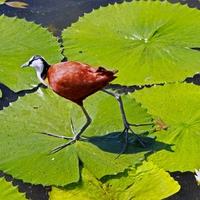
<point x="21" y="125"/>
<point x="8" y="191"/>
<point x="17" y="4"/>
<point x="147" y="41"/>
<point x="178" y="106"/>
<point x="18" y="42"/>
<point x="145" y="182"/>
<point x="2" y="2"/>
<point x="24" y="151"/>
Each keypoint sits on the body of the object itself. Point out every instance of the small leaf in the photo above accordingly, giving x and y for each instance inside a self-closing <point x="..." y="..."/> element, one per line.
<point x="17" y="4"/>
<point x="8" y="191"/>
<point x="178" y="106"/>
<point x="18" y="42"/>
<point x="145" y="182"/>
<point x="2" y="2"/>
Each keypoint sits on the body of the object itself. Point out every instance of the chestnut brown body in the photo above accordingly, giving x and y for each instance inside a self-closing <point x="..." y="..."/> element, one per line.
<point x="76" y="81"/>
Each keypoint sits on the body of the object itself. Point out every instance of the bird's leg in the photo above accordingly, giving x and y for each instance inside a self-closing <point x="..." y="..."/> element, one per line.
<point x="55" y="135"/>
<point x="88" y="122"/>
<point x="76" y="135"/>
<point x="125" y="122"/>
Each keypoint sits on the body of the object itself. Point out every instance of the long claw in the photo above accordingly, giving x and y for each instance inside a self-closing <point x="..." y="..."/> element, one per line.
<point x="126" y="129"/>
<point x="55" y="150"/>
<point x="76" y="137"/>
<point x="125" y="122"/>
<point x="125" y="146"/>
<point x="146" y="124"/>
<point x="137" y="137"/>
<point x="57" y="136"/>
<point x="72" y="126"/>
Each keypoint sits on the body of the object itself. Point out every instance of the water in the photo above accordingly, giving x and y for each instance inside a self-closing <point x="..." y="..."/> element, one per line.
<point x="56" y="15"/>
<point x="60" y="14"/>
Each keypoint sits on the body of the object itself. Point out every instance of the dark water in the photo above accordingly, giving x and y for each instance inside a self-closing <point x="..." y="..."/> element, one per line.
<point x="57" y="15"/>
<point x="60" y="14"/>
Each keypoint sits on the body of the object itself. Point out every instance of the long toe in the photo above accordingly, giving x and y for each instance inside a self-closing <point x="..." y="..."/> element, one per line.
<point x="125" y="131"/>
<point x="57" y="136"/>
<point x="137" y="137"/>
<point x="72" y="126"/>
<point x="55" y="150"/>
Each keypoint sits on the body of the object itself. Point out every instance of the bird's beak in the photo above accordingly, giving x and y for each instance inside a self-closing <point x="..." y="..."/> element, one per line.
<point x="25" y="65"/>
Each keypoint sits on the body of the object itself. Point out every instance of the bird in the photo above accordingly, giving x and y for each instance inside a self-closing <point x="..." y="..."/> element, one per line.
<point x="76" y="81"/>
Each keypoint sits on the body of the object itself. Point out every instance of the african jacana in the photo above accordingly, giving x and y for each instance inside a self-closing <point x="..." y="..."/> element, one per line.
<point x="75" y="81"/>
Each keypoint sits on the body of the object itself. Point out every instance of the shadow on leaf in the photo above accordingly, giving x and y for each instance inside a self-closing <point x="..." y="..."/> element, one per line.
<point x="9" y="96"/>
<point x="114" y="143"/>
<point x="108" y="143"/>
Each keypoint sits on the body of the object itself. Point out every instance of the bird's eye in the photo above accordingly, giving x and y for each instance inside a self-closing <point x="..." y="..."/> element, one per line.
<point x="30" y="62"/>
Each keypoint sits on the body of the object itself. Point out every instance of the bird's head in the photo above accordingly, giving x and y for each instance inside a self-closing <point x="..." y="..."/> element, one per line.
<point x="36" y="62"/>
<point x="40" y="65"/>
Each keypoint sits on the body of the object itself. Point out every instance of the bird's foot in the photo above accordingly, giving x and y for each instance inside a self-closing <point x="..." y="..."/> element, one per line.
<point x="76" y="137"/>
<point x="73" y="140"/>
<point x="72" y="127"/>
<point x="55" y="150"/>
<point x="127" y="128"/>
<point x="57" y="136"/>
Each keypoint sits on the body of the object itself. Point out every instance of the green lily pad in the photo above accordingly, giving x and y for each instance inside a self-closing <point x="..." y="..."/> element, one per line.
<point x="8" y="191"/>
<point x="178" y="107"/>
<point x="18" y="42"/>
<point x="25" y="152"/>
<point x="147" y="41"/>
<point x="144" y="182"/>
<point x="2" y="1"/>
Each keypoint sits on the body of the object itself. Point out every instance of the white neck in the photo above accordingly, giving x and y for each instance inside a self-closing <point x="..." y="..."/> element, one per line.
<point x="39" y="76"/>
<point x="39" y="67"/>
